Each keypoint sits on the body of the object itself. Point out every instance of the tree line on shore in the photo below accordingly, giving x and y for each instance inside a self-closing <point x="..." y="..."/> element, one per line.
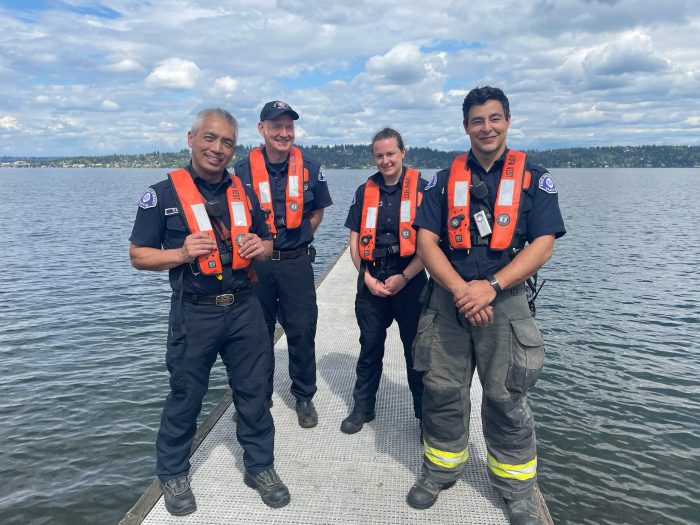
<point x="354" y="156"/>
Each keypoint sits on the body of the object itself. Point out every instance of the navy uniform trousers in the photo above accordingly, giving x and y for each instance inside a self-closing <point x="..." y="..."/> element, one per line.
<point x="196" y="334"/>
<point x="374" y="315"/>
<point x="287" y="292"/>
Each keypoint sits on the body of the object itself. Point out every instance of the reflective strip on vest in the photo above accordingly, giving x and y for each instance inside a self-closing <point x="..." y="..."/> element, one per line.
<point x="514" y="179"/>
<point x="443" y="458"/>
<point x="410" y="200"/>
<point x="297" y="177"/>
<point x="409" y="203"/>
<point x="367" y="240"/>
<point x="504" y="470"/>
<point x="458" y="203"/>
<point x="241" y="221"/>
<point x="294" y="204"/>
<point x="191" y="203"/>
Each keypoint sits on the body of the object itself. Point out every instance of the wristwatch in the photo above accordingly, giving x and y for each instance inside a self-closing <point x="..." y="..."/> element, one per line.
<point x="405" y="277"/>
<point x="494" y="282"/>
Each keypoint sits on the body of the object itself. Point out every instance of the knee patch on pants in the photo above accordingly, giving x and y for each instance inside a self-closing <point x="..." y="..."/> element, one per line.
<point x="443" y="414"/>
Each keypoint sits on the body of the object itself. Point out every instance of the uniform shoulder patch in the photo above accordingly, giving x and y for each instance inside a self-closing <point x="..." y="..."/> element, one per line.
<point x="321" y="175"/>
<point x="546" y="183"/>
<point x="149" y="199"/>
<point x="432" y="183"/>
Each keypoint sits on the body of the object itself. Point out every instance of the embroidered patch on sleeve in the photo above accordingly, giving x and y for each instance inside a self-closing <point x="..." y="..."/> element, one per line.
<point x="149" y="199"/>
<point x="321" y="175"/>
<point x="547" y="183"/>
<point x="432" y="183"/>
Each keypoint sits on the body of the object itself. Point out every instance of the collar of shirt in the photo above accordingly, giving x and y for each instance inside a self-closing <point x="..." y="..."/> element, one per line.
<point x="276" y="170"/>
<point x="496" y="168"/>
<point x="379" y="179"/>
<point x="213" y="187"/>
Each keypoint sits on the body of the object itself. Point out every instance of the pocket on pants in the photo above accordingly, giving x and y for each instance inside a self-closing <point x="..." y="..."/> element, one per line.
<point x="424" y="340"/>
<point x="527" y="355"/>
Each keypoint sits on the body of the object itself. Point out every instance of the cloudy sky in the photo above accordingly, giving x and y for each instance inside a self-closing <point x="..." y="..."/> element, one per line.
<point x="126" y="76"/>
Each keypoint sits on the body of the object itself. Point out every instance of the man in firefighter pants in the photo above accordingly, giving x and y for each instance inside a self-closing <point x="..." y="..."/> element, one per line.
<point x="202" y="226"/>
<point x="293" y="193"/>
<point x="485" y="225"/>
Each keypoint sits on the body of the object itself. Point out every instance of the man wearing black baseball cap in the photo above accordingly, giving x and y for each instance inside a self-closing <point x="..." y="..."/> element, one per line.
<point x="293" y="194"/>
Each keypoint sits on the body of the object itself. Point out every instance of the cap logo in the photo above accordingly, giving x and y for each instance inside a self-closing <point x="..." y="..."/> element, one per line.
<point x="281" y="105"/>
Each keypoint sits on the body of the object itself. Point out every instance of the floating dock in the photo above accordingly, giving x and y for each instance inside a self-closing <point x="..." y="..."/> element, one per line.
<point x="333" y="478"/>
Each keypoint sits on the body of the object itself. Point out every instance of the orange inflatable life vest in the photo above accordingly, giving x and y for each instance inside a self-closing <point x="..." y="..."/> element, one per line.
<point x="410" y="200"/>
<point x="192" y="205"/>
<point x="514" y="179"/>
<point x="297" y="179"/>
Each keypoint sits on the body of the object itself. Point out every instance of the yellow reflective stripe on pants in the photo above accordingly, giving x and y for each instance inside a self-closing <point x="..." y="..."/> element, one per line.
<point x="443" y="458"/>
<point x="504" y="470"/>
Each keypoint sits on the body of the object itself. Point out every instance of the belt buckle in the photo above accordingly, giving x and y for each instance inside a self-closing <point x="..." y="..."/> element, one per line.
<point x="279" y="255"/>
<point x="225" y="299"/>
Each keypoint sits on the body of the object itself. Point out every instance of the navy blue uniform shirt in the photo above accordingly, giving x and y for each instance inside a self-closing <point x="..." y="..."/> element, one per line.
<point x="160" y="224"/>
<point x="538" y="215"/>
<point x="316" y="197"/>
<point x="387" y="216"/>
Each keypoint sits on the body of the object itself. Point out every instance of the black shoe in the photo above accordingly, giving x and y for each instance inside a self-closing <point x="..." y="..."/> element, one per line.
<point x="273" y="492"/>
<point x="235" y="414"/>
<point x="355" y="421"/>
<point x="178" y="496"/>
<point x="424" y="493"/>
<point x="306" y="414"/>
<point x="524" y="511"/>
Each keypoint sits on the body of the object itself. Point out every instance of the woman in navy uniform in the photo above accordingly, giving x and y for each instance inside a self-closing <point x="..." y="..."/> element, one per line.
<point x="391" y="277"/>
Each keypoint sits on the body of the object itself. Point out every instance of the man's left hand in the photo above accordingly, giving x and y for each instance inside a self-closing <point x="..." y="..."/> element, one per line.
<point x="478" y="295"/>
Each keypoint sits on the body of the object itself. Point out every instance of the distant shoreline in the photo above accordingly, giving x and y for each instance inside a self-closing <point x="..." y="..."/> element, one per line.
<point x="353" y="156"/>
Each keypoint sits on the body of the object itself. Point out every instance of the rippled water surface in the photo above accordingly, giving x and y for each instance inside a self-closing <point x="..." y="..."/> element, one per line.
<point x="82" y="339"/>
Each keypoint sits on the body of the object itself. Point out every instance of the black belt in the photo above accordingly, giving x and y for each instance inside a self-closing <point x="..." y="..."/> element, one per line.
<point x="278" y="255"/>
<point x="226" y="298"/>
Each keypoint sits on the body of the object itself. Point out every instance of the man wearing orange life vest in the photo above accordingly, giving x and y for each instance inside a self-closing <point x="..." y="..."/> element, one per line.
<point x="293" y="193"/>
<point x="485" y="225"/>
<point x="205" y="228"/>
<point x="391" y="277"/>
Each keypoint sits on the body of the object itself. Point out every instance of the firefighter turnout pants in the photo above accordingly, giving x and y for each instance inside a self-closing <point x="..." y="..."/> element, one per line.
<point x="508" y="355"/>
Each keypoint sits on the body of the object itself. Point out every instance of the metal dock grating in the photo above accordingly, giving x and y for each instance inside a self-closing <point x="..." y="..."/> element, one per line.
<point x="335" y="478"/>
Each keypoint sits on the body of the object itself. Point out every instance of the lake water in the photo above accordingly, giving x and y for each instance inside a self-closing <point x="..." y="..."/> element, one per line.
<point x="82" y="341"/>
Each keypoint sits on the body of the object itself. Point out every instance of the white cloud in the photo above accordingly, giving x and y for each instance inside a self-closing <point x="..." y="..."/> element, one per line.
<point x="403" y="64"/>
<point x="225" y="85"/>
<point x="9" y="123"/>
<point x="174" y="73"/>
<point x="123" y="66"/>
<point x="109" y="105"/>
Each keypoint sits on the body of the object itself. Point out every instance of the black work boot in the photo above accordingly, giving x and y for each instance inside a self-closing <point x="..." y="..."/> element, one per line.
<point x="524" y="511"/>
<point x="273" y="492"/>
<point x="235" y="414"/>
<point x="177" y="496"/>
<point x="306" y="414"/>
<point x="424" y="493"/>
<point x="355" y="421"/>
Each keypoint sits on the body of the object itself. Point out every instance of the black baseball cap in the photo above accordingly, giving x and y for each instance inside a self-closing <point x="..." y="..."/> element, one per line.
<point x="276" y="108"/>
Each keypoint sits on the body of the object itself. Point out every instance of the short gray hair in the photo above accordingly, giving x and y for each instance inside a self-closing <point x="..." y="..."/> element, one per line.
<point x="214" y="112"/>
